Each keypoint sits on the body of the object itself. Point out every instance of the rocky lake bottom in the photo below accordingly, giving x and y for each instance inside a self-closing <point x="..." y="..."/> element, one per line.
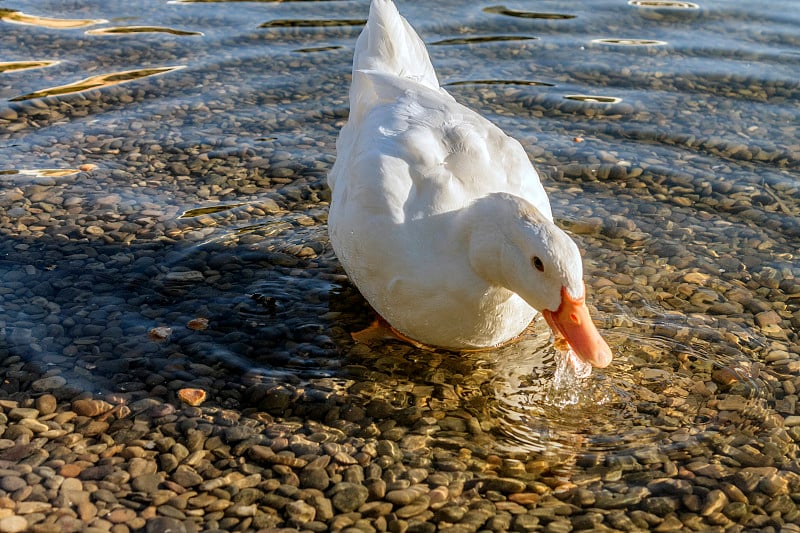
<point x="176" y="351"/>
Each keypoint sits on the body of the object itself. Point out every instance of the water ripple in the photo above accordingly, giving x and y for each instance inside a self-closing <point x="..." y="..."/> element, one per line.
<point x="122" y="30"/>
<point x="242" y="1"/>
<point x="663" y="4"/>
<point x="498" y="82"/>
<point x="630" y="42"/>
<point x="314" y="49"/>
<point x="659" y="394"/>
<point x="593" y="98"/>
<point x="96" y="82"/>
<point x="18" y="17"/>
<point x="484" y="39"/>
<point x="32" y="173"/>
<point x="503" y="10"/>
<point x="312" y="23"/>
<point x="13" y="66"/>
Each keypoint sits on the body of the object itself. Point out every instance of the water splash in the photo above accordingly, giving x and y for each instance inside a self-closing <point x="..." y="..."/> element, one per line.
<point x="571" y="372"/>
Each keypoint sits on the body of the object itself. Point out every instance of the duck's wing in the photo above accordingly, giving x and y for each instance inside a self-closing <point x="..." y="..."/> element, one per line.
<point x="453" y="155"/>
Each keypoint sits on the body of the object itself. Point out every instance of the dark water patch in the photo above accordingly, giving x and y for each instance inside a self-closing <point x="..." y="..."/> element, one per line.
<point x="125" y="30"/>
<point x="97" y="82"/>
<point x="483" y="39"/>
<point x="503" y="10"/>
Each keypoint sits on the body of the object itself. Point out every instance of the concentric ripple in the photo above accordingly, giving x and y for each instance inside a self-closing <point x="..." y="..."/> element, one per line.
<point x="659" y="395"/>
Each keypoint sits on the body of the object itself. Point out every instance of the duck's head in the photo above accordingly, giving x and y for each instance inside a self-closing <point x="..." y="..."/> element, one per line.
<point x="542" y="264"/>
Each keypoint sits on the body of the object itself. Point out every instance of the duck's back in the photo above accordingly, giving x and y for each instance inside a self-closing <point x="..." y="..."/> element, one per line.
<point x="399" y="110"/>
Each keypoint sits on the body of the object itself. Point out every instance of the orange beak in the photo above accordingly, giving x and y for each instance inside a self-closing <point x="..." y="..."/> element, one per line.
<point x="572" y="322"/>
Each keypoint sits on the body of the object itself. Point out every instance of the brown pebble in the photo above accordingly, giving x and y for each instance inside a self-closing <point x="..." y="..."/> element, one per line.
<point x="192" y="397"/>
<point x="89" y="407"/>
<point x="724" y="376"/>
<point x="525" y="498"/>
<point x="197" y="324"/>
<point x="70" y="470"/>
<point x="768" y="318"/>
<point x="46" y="404"/>
<point x="159" y="333"/>
<point x="119" y="516"/>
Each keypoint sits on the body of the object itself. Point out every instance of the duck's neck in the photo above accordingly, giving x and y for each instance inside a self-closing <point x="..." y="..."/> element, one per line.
<point x="487" y="222"/>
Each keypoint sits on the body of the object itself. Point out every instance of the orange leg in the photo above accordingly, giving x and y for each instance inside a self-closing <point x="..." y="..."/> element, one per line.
<point x="380" y="330"/>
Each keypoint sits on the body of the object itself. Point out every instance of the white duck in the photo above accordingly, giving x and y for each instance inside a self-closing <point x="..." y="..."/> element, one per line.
<point x="438" y="217"/>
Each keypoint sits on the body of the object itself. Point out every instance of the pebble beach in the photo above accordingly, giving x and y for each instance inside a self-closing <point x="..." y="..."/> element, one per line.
<point x="176" y="354"/>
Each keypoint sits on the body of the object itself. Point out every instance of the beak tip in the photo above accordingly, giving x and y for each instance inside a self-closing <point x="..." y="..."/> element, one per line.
<point x="602" y="359"/>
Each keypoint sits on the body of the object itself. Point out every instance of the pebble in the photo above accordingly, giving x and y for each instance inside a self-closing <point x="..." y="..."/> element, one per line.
<point x="348" y="497"/>
<point x="48" y="383"/>
<point x="300" y="513"/>
<point x="10" y="483"/>
<point x="715" y="502"/>
<point x="505" y="485"/>
<point x="13" y="524"/>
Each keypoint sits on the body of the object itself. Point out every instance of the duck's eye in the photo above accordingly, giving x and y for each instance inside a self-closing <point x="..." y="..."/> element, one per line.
<point x="537" y="264"/>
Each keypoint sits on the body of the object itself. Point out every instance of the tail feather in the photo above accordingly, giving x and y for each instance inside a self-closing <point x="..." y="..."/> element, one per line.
<point x="387" y="48"/>
<point x="390" y="45"/>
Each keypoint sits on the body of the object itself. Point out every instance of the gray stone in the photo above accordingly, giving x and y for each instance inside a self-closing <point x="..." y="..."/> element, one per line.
<point x="185" y="476"/>
<point x="10" y="483"/>
<point x="147" y="483"/>
<point x="348" y="497"/>
<point x="165" y="524"/>
<point x="715" y="501"/>
<point x="504" y="485"/>
<point x="48" y="384"/>
<point x="659" y="505"/>
<point x="314" y="478"/>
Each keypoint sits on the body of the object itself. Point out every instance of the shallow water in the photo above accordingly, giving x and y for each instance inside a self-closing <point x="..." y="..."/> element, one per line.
<point x="162" y="162"/>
